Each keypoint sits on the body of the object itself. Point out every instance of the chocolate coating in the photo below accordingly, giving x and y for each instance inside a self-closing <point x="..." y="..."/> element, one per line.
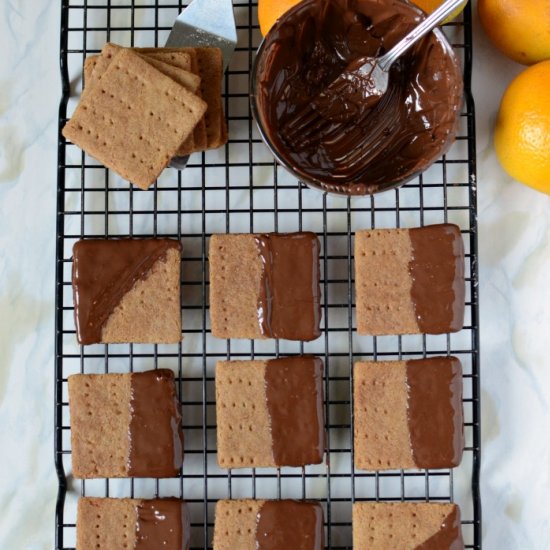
<point x="435" y="415"/>
<point x="294" y="390"/>
<point x="103" y="272"/>
<point x="156" y="435"/>
<point x="437" y="272"/>
<point x="289" y="298"/>
<point x="290" y="524"/>
<point x="358" y="146"/>
<point x="449" y="537"/>
<point x="162" y="523"/>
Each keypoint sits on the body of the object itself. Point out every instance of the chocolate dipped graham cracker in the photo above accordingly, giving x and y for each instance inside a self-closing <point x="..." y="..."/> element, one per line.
<point x="268" y="525"/>
<point x="408" y="414"/>
<point x="265" y="286"/>
<point x="125" y="425"/>
<point x="270" y="413"/>
<point x="132" y="524"/>
<point x="127" y="290"/>
<point x="406" y="526"/>
<point x="409" y="281"/>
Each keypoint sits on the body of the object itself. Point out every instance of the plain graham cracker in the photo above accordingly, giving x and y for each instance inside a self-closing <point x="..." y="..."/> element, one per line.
<point x="100" y="419"/>
<point x="235" y="525"/>
<point x="383" y="283"/>
<point x="156" y="113"/>
<point x="106" y="523"/>
<point x="150" y="312"/>
<point x="397" y="525"/>
<point x="243" y="422"/>
<point x="381" y="429"/>
<point x="235" y="279"/>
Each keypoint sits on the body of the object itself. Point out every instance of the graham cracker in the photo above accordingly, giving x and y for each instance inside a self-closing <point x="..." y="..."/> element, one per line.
<point x="403" y="525"/>
<point x="150" y="312"/>
<point x="123" y="523"/>
<point x="243" y="423"/>
<point x="235" y="525"/>
<point x="106" y="523"/>
<point x="383" y="283"/>
<point x="198" y="141"/>
<point x="381" y="428"/>
<point x="211" y="71"/>
<point x="182" y="76"/>
<point x="89" y="66"/>
<point x="163" y="115"/>
<point x="235" y="279"/>
<point x="100" y="418"/>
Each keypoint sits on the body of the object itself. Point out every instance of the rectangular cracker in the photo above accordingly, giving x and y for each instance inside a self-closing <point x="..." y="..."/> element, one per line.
<point x="164" y="114"/>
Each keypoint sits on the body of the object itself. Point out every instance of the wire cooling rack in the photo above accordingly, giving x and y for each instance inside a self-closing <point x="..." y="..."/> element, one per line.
<point x="239" y="188"/>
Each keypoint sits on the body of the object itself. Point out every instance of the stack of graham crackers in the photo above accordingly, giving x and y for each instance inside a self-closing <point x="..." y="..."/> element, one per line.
<point x="143" y="106"/>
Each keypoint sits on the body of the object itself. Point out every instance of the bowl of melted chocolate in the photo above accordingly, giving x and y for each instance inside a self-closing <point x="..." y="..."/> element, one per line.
<point x="348" y="144"/>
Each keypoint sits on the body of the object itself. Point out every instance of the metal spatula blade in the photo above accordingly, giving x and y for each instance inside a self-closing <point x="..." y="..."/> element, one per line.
<point x="206" y="23"/>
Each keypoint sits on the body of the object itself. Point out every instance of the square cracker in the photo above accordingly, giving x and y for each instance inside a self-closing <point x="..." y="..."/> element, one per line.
<point x="134" y="119"/>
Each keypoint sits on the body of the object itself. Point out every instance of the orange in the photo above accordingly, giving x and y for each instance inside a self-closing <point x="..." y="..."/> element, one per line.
<point x="519" y="28"/>
<point x="431" y="5"/>
<point x="522" y="132"/>
<point x="270" y="10"/>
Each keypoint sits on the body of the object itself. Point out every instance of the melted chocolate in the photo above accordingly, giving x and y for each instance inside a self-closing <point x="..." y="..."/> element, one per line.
<point x="436" y="422"/>
<point x="162" y="523"/>
<point x="290" y="524"/>
<point x="357" y="146"/>
<point x="449" y="537"/>
<point x="289" y="298"/>
<point x="155" y="432"/>
<point x="294" y="390"/>
<point x="103" y="272"/>
<point x="437" y="272"/>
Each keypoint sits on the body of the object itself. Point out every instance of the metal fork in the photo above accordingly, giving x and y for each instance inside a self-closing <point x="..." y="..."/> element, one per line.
<point x="204" y="23"/>
<point x="366" y="78"/>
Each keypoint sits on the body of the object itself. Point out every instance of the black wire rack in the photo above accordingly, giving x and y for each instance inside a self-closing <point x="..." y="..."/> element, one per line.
<point x="239" y="188"/>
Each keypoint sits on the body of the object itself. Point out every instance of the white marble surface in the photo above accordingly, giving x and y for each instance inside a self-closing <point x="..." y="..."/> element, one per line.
<point x="514" y="289"/>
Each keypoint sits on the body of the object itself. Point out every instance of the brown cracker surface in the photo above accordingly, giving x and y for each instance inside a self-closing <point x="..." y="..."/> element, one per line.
<point x="383" y="283"/>
<point x="243" y="424"/>
<point x="151" y="311"/>
<point x="235" y="278"/>
<point x="156" y="113"/>
<point x="235" y="526"/>
<point x="381" y="429"/>
<point x="399" y="525"/>
<point x="106" y="523"/>
<point x="100" y="419"/>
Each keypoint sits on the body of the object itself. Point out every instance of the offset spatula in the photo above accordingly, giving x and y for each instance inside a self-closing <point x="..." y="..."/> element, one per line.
<point x="206" y="23"/>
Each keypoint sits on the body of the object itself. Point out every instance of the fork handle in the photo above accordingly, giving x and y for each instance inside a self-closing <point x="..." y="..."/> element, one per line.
<point x="437" y="17"/>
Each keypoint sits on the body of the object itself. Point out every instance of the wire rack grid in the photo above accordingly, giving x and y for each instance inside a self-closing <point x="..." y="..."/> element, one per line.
<point x="239" y="188"/>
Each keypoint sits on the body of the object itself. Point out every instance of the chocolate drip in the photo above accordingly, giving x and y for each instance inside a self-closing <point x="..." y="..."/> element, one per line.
<point x="289" y="298"/>
<point x="162" y="523"/>
<point x="155" y="432"/>
<point x="294" y="390"/>
<point x="356" y="146"/>
<point x="436" y="422"/>
<point x="437" y="273"/>
<point x="449" y="537"/>
<point x="290" y="524"/>
<point x="103" y="272"/>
